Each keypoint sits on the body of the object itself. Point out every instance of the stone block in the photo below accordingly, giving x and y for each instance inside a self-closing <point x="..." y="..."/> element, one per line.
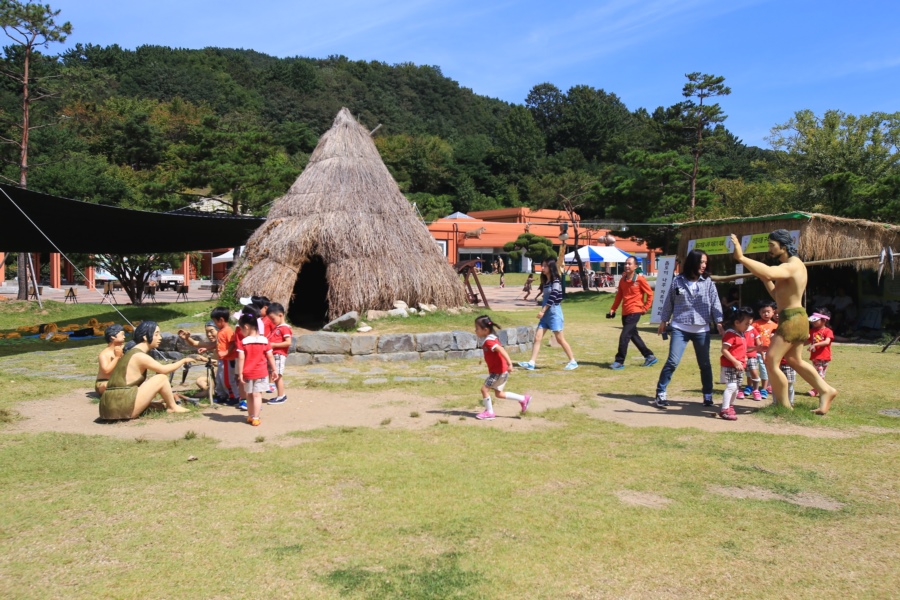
<point x="473" y="354"/>
<point x="454" y="354"/>
<point x="398" y="312"/>
<point x="503" y="336"/>
<point x="324" y="343"/>
<point x="394" y="356"/>
<point x="463" y="340"/>
<point x="373" y="315"/>
<point x="512" y="336"/>
<point x="524" y="334"/>
<point x="524" y="347"/>
<point x="396" y="342"/>
<point x="297" y="359"/>
<point x="363" y="344"/>
<point x="344" y="322"/>
<point x="329" y="358"/>
<point x="434" y="355"/>
<point x="429" y="342"/>
<point x="364" y="357"/>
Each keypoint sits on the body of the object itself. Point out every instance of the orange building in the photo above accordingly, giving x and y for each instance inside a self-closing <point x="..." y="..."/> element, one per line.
<point x="482" y="235"/>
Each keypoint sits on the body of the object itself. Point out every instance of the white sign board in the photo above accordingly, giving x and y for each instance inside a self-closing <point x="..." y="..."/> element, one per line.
<point x="664" y="276"/>
<point x="739" y="270"/>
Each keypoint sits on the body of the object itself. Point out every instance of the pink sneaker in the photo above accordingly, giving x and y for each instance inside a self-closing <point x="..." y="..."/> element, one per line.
<point x="485" y="416"/>
<point x="524" y="403"/>
<point x="740" y="394"/>
<point x="756" y="395"/>
<point x="728" y="414"/>
<point x="769" y="389"/>
<point x="813" y="393"/>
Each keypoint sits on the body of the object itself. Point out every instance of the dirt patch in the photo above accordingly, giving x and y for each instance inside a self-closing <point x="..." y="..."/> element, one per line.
<point x="645" y="499"/>
<point x="805" y="499"/>
<point x="636" y="411"/>
<point x="306" y="409"/>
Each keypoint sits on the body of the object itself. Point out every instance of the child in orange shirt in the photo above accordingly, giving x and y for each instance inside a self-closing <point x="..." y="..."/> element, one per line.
<point x="765" y="326"/>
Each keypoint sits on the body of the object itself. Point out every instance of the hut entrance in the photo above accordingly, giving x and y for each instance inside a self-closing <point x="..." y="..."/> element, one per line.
<point x="309" y="306"/>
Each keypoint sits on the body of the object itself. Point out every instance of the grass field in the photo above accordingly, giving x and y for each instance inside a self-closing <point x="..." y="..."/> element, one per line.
<point x="578" y="508"/>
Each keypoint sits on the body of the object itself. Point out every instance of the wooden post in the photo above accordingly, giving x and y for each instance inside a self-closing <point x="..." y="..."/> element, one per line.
<point x="186" y="269"/>
<point x="89" y="278"/>
<point x="70" y="273"/>
<point x="55" y="276"/>
<point x="2" y="267"/>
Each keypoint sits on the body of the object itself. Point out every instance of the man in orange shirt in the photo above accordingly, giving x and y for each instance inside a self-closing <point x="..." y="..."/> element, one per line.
<point x="636" y="297"/>
<point x="226" y="352"/>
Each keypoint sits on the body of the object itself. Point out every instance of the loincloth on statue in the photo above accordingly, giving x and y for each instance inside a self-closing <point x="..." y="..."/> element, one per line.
<point x="118" y="402"/>
<point x="97" y="386"/>
<point x="793" y="325"/>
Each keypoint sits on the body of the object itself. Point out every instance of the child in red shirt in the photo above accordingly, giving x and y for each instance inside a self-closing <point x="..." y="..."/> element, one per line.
<point x="255" y="365"/>
<point x="820" y="339"/>
<point x="280" y="340"/>
<point x="498" y="363"/>
<point x="734" y="356"/>
<point x="752" y="340"/>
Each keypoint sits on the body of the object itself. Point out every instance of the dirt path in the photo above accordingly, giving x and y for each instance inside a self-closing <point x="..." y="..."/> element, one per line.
<point x="76" y="413"/>
<point x="636" y="411"/>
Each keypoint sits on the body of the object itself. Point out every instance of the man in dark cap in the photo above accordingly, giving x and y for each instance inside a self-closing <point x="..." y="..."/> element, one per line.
<point x="786" y="283"/>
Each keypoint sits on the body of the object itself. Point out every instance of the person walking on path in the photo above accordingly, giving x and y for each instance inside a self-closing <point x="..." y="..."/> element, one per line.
<point x="551" y="316"/>
<point x="691" y="304"/>
<point x="636" y="297"/>
<point x="786" y="283"/>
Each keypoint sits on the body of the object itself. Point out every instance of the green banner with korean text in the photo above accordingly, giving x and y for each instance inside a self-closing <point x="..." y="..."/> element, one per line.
<point x="713" y="245"/>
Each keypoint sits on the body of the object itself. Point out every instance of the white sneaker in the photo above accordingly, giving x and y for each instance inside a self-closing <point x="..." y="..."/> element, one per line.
<point x="570" y="366"/>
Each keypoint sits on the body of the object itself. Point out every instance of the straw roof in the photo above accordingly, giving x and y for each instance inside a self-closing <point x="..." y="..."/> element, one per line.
<point x="347" y="209"/>
<point x="822" y="237"/>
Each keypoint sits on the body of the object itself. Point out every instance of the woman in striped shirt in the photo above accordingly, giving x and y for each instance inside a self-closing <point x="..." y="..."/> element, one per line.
<point x="551" y="317"/>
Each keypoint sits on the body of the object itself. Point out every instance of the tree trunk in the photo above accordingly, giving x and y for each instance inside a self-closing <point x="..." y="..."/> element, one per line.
<point x="22" y="273"/>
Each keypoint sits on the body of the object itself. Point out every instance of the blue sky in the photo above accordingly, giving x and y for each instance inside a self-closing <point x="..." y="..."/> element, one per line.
<point x="778" y="56"/>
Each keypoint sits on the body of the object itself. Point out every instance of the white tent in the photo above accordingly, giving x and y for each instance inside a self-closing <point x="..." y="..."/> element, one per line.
<point x="606" y="254"/>
<point x="226" y="257"/>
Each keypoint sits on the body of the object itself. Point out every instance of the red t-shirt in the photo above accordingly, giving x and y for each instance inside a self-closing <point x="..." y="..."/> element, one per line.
<point x="492" y="356"/>
<point x="765" y="329"/>
<point x="817" y="335"/>
<point x="267" y="325"/>
<point x="225" y="343"/>
<point x="751" y="339"/>
<point x="279" y="334"/>
<point x="733" y="341"/>
<point x="254" y="349"/>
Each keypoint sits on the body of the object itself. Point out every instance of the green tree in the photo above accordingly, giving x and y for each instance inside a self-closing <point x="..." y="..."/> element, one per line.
<point x="29" y="26"/>
<point x="236" y="161"/>
<point x="520" y="144"/>
<point x="533" y="246"/>
<point x="840" y="163"/>
<point x="698" y="117"/>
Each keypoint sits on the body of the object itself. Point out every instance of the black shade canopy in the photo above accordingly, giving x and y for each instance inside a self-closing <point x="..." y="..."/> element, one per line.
<point x="82" y="227"/>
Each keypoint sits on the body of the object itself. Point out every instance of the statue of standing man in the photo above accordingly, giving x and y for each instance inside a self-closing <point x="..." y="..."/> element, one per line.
<point x="786" y="283"/>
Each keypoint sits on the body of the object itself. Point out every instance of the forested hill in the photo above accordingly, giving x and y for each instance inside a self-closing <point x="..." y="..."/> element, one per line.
<point x="158" y="128"/>
<point x="404" y="98"/>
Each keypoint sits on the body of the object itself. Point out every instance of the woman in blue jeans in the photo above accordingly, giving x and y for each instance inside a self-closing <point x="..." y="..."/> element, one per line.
<point x="691" y="304"/>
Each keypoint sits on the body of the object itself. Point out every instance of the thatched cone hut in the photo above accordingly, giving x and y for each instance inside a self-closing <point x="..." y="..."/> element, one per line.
<point x="345" y="238"/>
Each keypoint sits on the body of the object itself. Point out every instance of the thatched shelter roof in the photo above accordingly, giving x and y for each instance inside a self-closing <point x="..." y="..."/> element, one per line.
<point x="822" y="237"/>
<point x="345" y="212"/>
